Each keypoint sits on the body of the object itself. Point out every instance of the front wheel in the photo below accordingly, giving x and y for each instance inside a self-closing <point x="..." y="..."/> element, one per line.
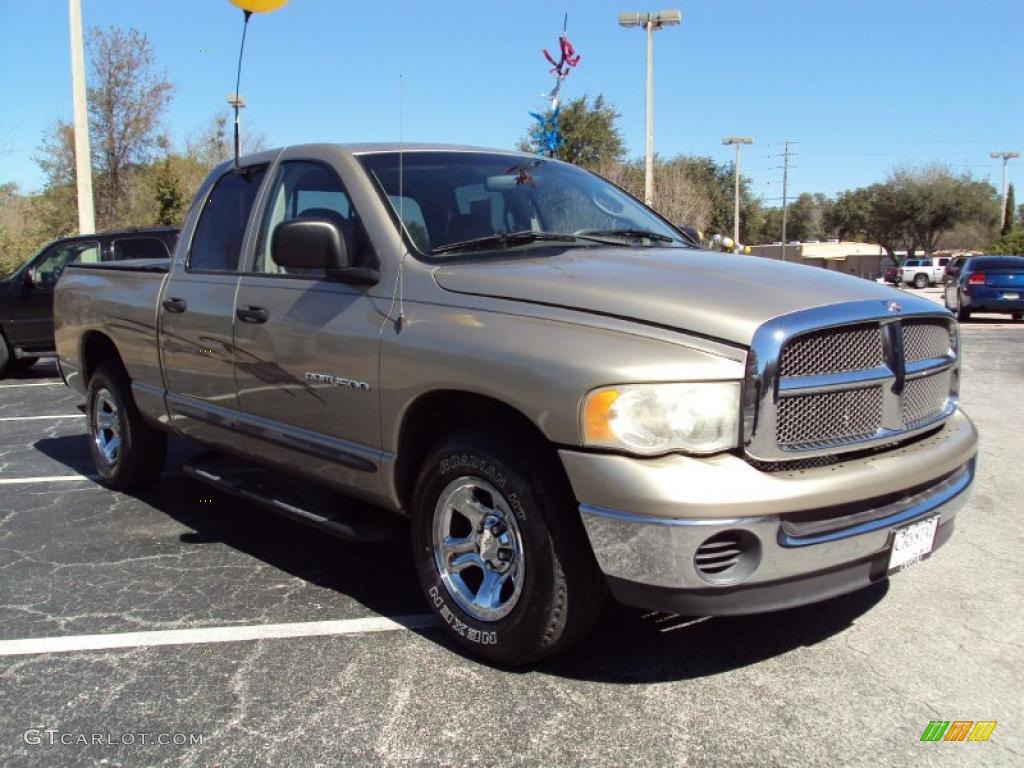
<point x="126" y="451"/>
<point x="920" y="281"/>
<point x="501" y="552"/>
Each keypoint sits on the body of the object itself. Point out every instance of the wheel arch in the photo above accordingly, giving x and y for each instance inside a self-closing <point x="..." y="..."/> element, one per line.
<point x="441" y="412"/>
<point x="96" y="348"/>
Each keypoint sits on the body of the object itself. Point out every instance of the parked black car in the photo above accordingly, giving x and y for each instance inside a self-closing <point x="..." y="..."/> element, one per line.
<point x="26" y="297"/>
<point x="986" y="284"/>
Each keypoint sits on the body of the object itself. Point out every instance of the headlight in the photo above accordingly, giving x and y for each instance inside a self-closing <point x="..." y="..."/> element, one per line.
<point x="660" y="418"/>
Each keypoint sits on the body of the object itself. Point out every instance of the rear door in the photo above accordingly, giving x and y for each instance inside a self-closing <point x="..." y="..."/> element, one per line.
<point x="197" y="312"/>
<point x="306" y="347"/>
<point x="31" y="325"/>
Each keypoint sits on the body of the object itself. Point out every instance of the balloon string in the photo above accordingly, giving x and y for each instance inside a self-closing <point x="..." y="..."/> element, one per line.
<point x="238" y="83"/>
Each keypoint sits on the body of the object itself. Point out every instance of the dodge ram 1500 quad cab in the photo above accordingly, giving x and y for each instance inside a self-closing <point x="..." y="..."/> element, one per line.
<point x="564" y="395"/>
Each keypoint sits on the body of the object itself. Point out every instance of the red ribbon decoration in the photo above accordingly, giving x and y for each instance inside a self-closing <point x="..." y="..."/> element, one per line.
<point x="568" y="59"/>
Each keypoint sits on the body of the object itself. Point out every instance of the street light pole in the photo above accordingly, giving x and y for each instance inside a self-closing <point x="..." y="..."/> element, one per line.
<point x="651" y="22"/>
<point x="737" y="141"/>
<point x="83" y="160"/>
<point x="1006" y="157"/>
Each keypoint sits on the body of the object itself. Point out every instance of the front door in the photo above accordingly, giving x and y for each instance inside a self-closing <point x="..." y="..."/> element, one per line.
<point x="197" y="315"/>
<point x="31" y="325"/>
<point x="306" y="347"/>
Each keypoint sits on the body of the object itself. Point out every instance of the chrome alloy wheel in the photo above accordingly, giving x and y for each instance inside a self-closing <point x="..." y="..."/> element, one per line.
<point x="478" y="549"/>
<point x="106" y="427"/>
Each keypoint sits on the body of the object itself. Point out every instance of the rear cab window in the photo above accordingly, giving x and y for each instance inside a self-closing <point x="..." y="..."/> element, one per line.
<point x="138" y="248"/>
<point x="217" y="242"/>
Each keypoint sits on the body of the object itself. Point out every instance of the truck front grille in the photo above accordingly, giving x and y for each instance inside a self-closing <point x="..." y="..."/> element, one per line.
<point x="848" y="385"/>
<point x="829" y="418"/>
<point x="833" y="350"/>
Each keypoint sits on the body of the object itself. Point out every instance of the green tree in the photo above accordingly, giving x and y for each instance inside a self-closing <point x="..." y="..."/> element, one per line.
<point x="1011" y="243"/>
<point x="590" y="132"/>
<point x="1008" y="211"/>
<point x="808" y="218"/>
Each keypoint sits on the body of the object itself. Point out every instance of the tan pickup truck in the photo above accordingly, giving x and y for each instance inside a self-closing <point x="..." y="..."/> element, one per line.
<point x="562" y="394"/>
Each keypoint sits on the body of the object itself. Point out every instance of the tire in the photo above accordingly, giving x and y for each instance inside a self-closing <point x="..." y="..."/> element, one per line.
<point x="1016" y="316"/>
<point x="127" y="452"/>
<point x="5" y="357"/>
<point x="548" y="591"/>
<point x="920" y="281"/>
<point x="963" y="315"/>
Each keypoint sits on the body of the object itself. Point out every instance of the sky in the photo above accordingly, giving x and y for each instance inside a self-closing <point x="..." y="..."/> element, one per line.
<point x="858" y="86"/>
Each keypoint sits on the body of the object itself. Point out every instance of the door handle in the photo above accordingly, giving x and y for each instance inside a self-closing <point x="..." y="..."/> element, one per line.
<point x="175" y="305"/>
<point x="252" y="314"/>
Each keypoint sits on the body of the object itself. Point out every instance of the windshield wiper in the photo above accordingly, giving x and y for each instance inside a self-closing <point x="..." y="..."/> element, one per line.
<point x="504" y="240"/>
<point x="634" y="234"/>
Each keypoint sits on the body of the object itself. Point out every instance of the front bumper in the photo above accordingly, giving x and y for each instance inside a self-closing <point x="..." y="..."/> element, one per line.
<point x="811" y="534"/>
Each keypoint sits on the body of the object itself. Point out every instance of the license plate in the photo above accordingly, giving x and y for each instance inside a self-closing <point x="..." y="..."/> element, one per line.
<point x="1011" y="296"/>
<point x="912" y="543"/>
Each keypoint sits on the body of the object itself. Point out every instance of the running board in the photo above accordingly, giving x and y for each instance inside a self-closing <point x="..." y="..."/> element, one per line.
<point x="319" y="507"/>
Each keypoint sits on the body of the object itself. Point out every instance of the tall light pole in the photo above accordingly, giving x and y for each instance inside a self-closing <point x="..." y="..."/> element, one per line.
<point x="737" y="141"/>
<point x="650" y="22"/>
<point x="1006" y="157"/>
<point x="83" y="160"/>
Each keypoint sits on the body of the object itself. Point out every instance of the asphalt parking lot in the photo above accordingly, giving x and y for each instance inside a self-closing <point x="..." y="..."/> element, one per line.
<point x="851" y="682"/>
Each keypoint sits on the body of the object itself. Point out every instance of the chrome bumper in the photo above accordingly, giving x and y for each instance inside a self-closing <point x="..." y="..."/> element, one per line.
<point x="660" y="551"/>
<point x="835" y="545"/>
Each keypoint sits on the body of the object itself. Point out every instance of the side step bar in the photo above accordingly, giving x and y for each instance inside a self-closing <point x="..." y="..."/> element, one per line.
<point x="321" y="508"/>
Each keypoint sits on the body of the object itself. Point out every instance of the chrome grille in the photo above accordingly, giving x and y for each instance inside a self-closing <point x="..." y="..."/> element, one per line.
<point x="849" y="377"/>
<point x="829" y="418"/>
<point x="833" y="350"/>
<point x="925" y="398"/>
<point x="922" y="341"/>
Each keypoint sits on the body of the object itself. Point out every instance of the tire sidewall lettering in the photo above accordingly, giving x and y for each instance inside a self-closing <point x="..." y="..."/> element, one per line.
<point x="481" y="637"/>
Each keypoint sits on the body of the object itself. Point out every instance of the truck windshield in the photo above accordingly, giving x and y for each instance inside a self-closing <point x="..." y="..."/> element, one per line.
<point x="464" y="203"/>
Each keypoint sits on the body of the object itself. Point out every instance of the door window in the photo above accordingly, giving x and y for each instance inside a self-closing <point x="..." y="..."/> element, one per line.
<point x="221" y="228"/>
<point x="139" y="248"/>
<point x="49" y="268"/>
<point x="305" y="188"/>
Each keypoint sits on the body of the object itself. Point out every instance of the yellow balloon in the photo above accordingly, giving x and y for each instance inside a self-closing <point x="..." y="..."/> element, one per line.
<point x="258" y="6"/>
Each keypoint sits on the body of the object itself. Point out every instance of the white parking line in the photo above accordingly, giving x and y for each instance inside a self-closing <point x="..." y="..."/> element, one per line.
<point x="213" y="635"/>
<point x="48" y="479"/>
<point x="41" y="418"/>
<point x="35" y="384"/>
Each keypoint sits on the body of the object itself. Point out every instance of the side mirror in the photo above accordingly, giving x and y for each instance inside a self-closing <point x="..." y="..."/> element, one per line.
<point x="307" y="243"/>
<point x="26" y="278"/>
<point x="314" y="243"/>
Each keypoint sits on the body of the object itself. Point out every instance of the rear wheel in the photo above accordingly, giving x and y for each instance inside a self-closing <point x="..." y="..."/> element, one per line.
<point x="963" y="315"/>
<point x="920" y="281"/>
<point x="5" y="357"/>
<point x="1016" y="315"/>
<point x="126" y="451"/>
<point x="501" y="552"/>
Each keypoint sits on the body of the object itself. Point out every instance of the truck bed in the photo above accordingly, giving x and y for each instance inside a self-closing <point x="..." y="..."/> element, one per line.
<point x="119" y="300"/>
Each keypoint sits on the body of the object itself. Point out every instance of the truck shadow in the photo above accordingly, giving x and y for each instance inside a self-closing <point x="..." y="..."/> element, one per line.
<point x="628" y="646"/>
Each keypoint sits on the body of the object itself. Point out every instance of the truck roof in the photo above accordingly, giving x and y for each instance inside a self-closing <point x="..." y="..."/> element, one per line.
<point x="369" y="148"/>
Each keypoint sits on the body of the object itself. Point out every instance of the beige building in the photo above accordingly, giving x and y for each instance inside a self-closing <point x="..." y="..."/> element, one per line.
<point x="865" y="260"/>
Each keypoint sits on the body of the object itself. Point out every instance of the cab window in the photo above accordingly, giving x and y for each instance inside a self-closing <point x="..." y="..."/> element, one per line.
<point x="303" y="188"/>
<point x="139" y="248"/>
<point x="221" y="229"/>
<point x="49" y="268"/>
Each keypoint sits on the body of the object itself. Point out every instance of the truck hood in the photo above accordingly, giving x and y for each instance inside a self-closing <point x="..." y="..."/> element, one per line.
<point x="717" y="295"/>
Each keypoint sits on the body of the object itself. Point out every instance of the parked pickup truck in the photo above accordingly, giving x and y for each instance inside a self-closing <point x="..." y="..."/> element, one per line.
<point x="921" y="273"/>
<point x="561" y="392"/>
<point x="26" y="296"/>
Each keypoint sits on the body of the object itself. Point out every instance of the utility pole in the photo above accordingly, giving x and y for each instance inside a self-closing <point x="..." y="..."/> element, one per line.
<point x="1006" y="157"/>
<point x="737" y="141"/>
<point x="651" y="22"/>
<point x="83" y="159"/>
<point x="785" y="182"/>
